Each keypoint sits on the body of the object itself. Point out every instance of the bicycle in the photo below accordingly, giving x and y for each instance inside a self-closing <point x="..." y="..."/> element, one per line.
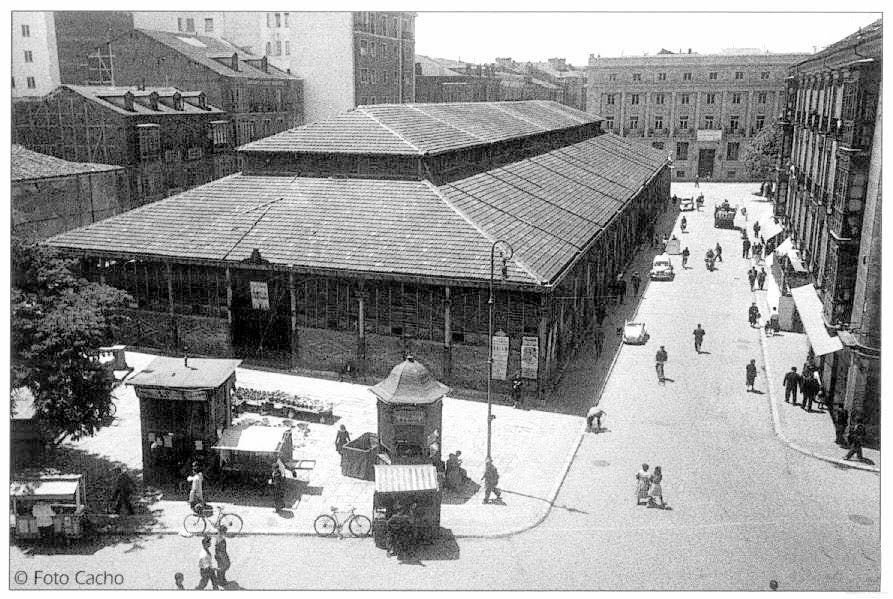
<point x="327" y="525"/>
<point x="197" y="522"/>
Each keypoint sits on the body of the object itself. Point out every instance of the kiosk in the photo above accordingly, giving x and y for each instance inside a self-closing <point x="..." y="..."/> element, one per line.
<point x="63" y="493"/>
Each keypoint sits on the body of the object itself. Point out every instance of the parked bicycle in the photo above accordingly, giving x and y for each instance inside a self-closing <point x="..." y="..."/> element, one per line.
<point x="327" y="525"/>
<point x="197" y="522"/>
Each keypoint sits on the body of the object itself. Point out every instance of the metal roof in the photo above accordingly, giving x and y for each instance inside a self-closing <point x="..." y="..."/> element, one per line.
<point x="27" y="165"/>
<point x="113" y="99"/>
<point x="405" y="478"/>
<point x="60" y="486"/>
<point x="409" y="382"/>
<point x="200" y="373"/>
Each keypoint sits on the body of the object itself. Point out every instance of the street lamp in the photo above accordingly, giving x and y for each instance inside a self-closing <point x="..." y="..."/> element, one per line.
<point x="490" y="302"/>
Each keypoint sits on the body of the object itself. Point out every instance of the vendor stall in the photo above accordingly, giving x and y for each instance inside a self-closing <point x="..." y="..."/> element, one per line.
<point x="62" y="494"/>
<point x="410" y="490"/>
<point x="724" y="215"/>
<point x="250" y="450"/>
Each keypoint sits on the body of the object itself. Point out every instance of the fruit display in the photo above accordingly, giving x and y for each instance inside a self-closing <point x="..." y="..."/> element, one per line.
<point x="282" y="403"/>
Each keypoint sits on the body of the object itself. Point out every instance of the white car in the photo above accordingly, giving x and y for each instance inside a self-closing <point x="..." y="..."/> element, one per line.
<point x="634" y="333"/>
<point x="687" y="204"/>
<point x="662" y="269"/>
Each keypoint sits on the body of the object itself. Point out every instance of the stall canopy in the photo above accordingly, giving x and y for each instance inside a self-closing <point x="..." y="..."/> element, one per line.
<point x="405" y="478"/>
<point x="809" y="306"/>
<point x="194" y="373"/>
<point x="47" y="487"/>
<point x="253" y="438"/>
<point x="411" y="383"/>
<point x="768" y="229"/>
<point x="785" y="247"/>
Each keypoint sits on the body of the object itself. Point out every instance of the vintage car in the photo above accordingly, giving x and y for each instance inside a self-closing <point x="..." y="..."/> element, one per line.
<point x="687" y="204"/>
<point x="634" y="333"/>
<point x="724" y="215"/>
<point x="662" y="269"/>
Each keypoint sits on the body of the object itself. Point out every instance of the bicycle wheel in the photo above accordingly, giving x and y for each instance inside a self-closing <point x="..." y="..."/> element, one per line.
<point x="360" y="526"/>
<point x="325" y="525"/>
<point x="232" y="522"/>
<point x="194" y="524"/>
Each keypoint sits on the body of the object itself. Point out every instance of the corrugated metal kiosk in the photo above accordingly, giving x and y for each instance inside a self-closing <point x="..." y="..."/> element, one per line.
<point x="250" y="450"/>
<point x="411" y="488"/>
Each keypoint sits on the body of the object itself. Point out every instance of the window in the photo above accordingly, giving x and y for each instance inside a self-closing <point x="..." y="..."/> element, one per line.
<point x="708" y="121"/>
<point x="278" y="48"/>
<point x="269" y="48"/>
<point x="287" y="48"/>
<point x="609" y="124"/>
<point x="29" y="57"/>
<point x="220" y="132"/>
<point x="181" y="24"/>
<point x="278" y="19"/>
<point x="29" y="81"/>
<point x="637" y="76"/>
<point x="363" y="48"/>
<point x="680" y="173"/>
<point x="710" y="98"/>
<point x="193" y="153"/>
<point x="686" y="76"/>
<point x="764" y="75"/>
<point x="736" y="98"/>
<point x="26" y="31"/>
<point x="149" y="141"/>
<point x="732" y="150"/>
<point x="633" y="122"/>
<point x="269" y="19"/>
<point x="372" y="77"/>
<point x="685" y="99"/>
<point x="661" y="76"/>
<point x="634" y="98"/>
<point x="658" y="98"/>
<point x="384" y="77"/>
<point x="190" y="25"/>
<point x="733" y="122"/>
<point x="285" y="17"/>
<point x="611" y="76"/>
<point x="683" y="122"/>
<point x="658" y="122"/>
<point x="364" y="76"/>
<point x="739" y="74"/>
<point x="657" y="145"/>
<point x="372" y="100"/>
<point x="760" y="122"/>
<point x="682" y="150"/>
<point x="209" y="25"/>
<point x="372" y="48"/>
<point x="761" y="97"/>
<point x="609" y="99"/>
<point x="712" y="76"/>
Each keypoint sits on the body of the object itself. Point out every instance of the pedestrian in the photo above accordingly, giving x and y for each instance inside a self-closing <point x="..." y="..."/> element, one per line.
<point x="517" y="386"/>
<point x="761" y="278"/>
<point x="697" y="181"/>
<point x="718" y="252"/>
<point x="178" y="580"/>
<point x="660" y="359"/>
<point x="751" y="376"/>
<point x="682" y="224"/>
<point x="341" y="439"/>
<point x="196" y="491"/>
<point x="840" y="422"/>
<point x="699" y="337"/>
<point x="752" y="277"/>
<point x="122" y="493"/>
<point x="753" y="314"/>
<point x="595" y="413"/>
<point x="774" y="322"/>
<point x="621" y="288"/>
<point x="791" y="382"/>
<point x="856" y="440"/>
<point x="745" y="248"/>
<point x="758" y="252"/>
<point x="206" y="566"/>
<point x="643" y="484"/>
<point x="600" y="313"/>
<point x="685" y="255"/>
<point x="599" y="341"/>
<point x="810" y="389"/>
<point x="43" y="514"/>
<point x="276" y="486"/>
<point x="491" y="480"/>
<point x="656" y="490"/>
<point x="636" y="281"/>
<point x="756" y="230"/>
<point x="221" y="555"/>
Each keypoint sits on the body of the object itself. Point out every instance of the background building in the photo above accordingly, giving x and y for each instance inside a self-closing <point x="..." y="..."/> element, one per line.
<point x="35" y="60"/>
<point x="443" y="80"/>
<point x="570" y="80"/>
<point x="50" y="195"/>
<point x="829" y="190"/>
<point x="700" y="109"/>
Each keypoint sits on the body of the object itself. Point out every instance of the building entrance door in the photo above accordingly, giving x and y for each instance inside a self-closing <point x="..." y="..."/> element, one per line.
<point x="705" y="163"/>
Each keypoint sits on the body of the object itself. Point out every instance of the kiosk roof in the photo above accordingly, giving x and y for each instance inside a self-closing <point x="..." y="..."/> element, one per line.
<point x="199" y="373"/>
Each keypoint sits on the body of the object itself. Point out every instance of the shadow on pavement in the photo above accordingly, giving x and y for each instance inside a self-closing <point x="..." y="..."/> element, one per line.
<point x="462" y="494"/>
<point x="561" y="507"/>
<point x="442" y="547"/>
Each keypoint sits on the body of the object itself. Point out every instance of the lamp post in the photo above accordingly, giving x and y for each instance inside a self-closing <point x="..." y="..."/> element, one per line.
<point x="490" y="303"/>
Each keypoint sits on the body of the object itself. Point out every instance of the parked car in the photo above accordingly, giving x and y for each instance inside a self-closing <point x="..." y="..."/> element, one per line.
<point x="662" y="269"/>
<point x="634" y="333"/>
<point x="687" y="204"/>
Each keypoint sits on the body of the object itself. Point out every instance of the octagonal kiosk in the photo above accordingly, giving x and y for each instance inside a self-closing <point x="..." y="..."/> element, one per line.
<point x="410" y="413"/>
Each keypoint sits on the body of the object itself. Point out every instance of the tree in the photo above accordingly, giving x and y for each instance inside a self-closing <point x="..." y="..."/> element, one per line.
<point x="58" y="322"/>
<point x="761" y="153"/>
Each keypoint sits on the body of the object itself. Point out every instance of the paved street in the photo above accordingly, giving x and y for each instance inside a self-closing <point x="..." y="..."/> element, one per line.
<point x="745" y="507"/>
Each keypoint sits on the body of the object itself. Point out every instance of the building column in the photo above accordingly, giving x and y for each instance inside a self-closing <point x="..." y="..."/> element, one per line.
<point x="543" y="366"/>
<point x="293" y="332"/>
<point x="361" y="327"/>
<point x="170" y="303"/>
<point x="229" y="310"/>
<point x="447" y="335"/>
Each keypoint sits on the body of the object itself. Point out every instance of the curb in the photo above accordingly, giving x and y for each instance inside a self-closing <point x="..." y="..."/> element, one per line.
<point x="776" y="420"/>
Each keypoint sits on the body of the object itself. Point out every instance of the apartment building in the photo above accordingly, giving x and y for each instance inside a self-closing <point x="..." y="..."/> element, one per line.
<point x="35" y="60"/>
<point x="700" y="109"/>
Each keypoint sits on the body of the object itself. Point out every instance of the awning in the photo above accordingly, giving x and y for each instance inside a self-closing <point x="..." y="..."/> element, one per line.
<point x="786" y="246"/>
<point x="809" y="307"/>
<point x="253" y="438"/>
<point x="50" y="487"/>
<point x="768" y="229"/>
<point x="405" y="478"/>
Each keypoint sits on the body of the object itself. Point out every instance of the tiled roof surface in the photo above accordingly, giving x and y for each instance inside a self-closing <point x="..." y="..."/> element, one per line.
<point x="434" y="68"/>
<point x="102" y="94"/>
<point x="547" y="207"/>
<point x="26" y="165"/>
<point x="420" y="129"/>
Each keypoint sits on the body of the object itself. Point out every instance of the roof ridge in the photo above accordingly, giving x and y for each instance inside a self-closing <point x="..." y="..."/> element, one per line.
<point x="520" y="117"/>
<point x="390" y="130"/>
<point x="537" y="278"/>
<point x="556" y="108"/>
<point x="440" y="120"/>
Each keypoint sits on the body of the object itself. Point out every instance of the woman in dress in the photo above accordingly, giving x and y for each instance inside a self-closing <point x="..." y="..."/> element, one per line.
<point x="656" y="490"/>
<point x="643" y="482"/>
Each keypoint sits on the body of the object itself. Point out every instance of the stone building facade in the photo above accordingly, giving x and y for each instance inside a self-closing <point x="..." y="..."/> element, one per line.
<point x="699" y="109"/>
<point x="829" y="192"/>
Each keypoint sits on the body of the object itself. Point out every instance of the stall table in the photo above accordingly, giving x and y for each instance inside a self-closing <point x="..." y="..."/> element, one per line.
<point x="64" y="493"/>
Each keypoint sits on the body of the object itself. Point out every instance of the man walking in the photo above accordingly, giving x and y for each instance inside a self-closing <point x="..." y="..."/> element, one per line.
<point x="752" y="277"/>
<point x="660" y="359"/>
<point x="699" y="337"/>
<point x="753" y="314"/>
<point x="756" y="230"/>
<point x="636" y="280"/>
<point x="791" y="382"/>
<point x="718" y="251"/>
<point x="685" y="255"/>
<point x="751" y="375"/>
<point x="491" y="480"/>
<point x="595" y="413"/>
<point x="774" y="322"/>
<point x="856" y="440"/>
<point x="745" y="248"/>
<point x="761" y="278"/>
<point x="122" y="493"/>
<point x="621" y="288"/>
<point x="810" y="389"/>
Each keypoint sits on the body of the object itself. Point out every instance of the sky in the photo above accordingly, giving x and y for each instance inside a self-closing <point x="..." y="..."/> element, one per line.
<point x="480" y="37"/>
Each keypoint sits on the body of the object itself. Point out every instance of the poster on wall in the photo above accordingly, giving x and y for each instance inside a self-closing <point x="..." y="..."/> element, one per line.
<point x="500" y="356"/>
<point x="530" y="357"/>
<point x="260" y="295"/>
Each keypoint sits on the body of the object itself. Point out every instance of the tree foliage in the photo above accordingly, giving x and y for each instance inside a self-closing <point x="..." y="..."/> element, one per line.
<point x="761" y="153"/>
<point x="58" y="322"/>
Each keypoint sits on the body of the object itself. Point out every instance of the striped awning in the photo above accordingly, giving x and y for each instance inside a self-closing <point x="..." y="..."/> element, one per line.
<point x="809" y="307"/>
<point x="404" y="478"/>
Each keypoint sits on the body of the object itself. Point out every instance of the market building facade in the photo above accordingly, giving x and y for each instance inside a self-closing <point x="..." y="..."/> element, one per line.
<point x="366" y="237"/>
<point x="829" y="193"/>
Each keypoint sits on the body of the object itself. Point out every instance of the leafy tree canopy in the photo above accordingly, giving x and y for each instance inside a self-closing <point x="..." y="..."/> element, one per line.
<point x="58" y="322"/>
<point x="761" y="153"/>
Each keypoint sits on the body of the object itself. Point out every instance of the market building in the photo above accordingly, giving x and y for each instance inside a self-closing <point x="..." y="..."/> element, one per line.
<point x="701" y="109"/>
<point x="50" y="195"/>
<point x="167" y="140"/>
<point x="829" y="193"/>
<point x="368" y="236"/>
